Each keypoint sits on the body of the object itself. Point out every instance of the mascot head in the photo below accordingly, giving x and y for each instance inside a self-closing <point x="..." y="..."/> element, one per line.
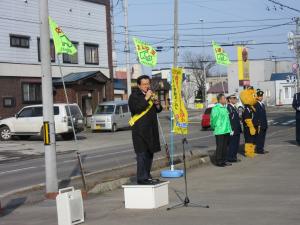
<point x="248" y="96"/>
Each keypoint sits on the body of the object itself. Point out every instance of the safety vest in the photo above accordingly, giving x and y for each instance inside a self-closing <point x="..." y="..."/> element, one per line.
<point x="136" y="117"/>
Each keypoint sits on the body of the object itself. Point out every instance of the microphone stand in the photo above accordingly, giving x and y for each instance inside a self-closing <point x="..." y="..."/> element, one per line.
<point x="186" y="201"/>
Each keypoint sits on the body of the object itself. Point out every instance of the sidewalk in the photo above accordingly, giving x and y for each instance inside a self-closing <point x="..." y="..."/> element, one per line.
<point x="262" y="191"/>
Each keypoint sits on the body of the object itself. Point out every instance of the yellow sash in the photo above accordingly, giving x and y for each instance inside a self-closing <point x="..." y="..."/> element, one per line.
<point x="138" y="116"/>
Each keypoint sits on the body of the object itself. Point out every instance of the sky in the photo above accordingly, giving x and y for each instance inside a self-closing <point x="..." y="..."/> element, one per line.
<point x="200" y="21"/>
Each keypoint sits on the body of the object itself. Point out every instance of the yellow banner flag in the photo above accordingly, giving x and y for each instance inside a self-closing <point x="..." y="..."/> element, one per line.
<point x="180" y="124"/>
<point x="243" y="63"/>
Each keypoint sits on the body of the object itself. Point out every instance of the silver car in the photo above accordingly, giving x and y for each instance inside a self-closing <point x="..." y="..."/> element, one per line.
<point x="111" y="116"/>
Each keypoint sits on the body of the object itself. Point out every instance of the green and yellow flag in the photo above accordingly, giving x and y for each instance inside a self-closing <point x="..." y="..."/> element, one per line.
<point x="221" y="56"/>
<point x="61" y="41"/>
<point x="180" y="124"/>
<point x="146" y="53"/>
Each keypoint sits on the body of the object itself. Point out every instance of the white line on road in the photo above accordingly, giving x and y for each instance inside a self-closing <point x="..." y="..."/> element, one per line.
<point x="288" y="122"/>
<point x="17" y="170"/>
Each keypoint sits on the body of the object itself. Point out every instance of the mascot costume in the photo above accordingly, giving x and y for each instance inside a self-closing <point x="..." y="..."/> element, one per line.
<point x="248" y="98"/>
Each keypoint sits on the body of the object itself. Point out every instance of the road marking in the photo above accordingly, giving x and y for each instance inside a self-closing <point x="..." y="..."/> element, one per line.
<point x="191" y="139"/>
<point x="288" y="122"/>
<point x="17" y="170"/>
<point x="126" y="151"/>
<point x="275" y="123"/>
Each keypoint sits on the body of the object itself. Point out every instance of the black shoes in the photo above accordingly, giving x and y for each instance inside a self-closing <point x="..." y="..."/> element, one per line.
<point x="145" y="182"/>
<point x="220" y="165"/>
<point x="224" y="164"/>
<point x="233" y="160"/>
<point x="149" y="181"/>
<point x="262" y="152"/>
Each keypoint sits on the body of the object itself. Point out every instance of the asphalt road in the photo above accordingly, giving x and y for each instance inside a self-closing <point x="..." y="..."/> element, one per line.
<point x="107" y="150"/>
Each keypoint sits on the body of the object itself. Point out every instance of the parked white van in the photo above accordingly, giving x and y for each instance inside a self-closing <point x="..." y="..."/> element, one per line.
<point x="111" y="116"/>
<point x="29" y="121"/>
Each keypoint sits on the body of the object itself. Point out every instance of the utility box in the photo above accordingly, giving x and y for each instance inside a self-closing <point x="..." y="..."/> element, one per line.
<point x="69" y="206"/>
<point x="146" y="196"/>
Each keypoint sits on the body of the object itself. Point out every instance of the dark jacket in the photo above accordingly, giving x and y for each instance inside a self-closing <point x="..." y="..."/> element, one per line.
<point x="145" y="134"/>
<point x="261" y="116"/>
<point x="234" y="120"/>
<point x="249" y="113"/>
<point x="296" y="104"/>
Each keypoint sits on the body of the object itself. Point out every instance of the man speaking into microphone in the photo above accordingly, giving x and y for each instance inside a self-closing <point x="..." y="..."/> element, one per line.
<point x="145" y="135"/>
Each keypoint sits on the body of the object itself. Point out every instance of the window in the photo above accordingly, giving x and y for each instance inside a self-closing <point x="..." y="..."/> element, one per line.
<point x="91" y="54"/>
<point x="72" y="59"/>
<point x="52" y="50"/>
<point x="19" y="41"/>
<point x="31" y="93"/>
<point x="8" y="102"/>
<point x="286" y="92"/>
<point x="38" y="111"/>
<point x="118" y="110"/>
<point x="75" y="111"/>
<point x="27" y="112"/>
<point x="125" y="108"/>
<point x="105" y="109"/>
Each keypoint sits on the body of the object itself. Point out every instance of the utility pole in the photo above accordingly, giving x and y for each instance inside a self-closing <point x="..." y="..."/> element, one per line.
<point x="127" y="49"/>
<point x="204" y="65"/>
<point x="175" y="33"/>
<point x="114" y="54"/>
<point x="47" y="96"/>
<point x="175" y="62"/>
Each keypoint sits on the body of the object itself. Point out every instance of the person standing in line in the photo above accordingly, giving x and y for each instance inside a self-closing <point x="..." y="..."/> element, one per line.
<point x="220" y="124"/>
<point x="234" y="140"/>
<point x="296" y="106"/>
<point x="262" y="122"/>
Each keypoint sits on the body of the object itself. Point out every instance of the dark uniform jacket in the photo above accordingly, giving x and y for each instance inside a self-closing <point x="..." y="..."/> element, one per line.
<point x="234" y="119"/>
<point x="249" y="113"/>
<point x="145" y="134"/>
<point x="261" y="116"/>
<point x="296" y="104"/>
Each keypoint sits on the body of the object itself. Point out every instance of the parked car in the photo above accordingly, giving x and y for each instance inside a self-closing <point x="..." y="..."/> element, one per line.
<point x="29" y="122"/>
<point x="205" y="122"/>
<point x="111" y="116"/>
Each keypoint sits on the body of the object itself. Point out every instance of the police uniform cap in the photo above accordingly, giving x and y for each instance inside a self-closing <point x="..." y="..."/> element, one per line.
<point x="259" y="93"/>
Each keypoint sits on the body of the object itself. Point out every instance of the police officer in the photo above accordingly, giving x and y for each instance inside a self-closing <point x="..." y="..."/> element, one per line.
<point x="234" y="140"/>
<point x="262" y="123"/>
<point x="296" y="106"/>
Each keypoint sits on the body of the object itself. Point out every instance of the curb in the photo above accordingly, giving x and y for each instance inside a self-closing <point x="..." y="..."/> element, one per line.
<point x="115" y="184"/>
<point x="100" y="181"/>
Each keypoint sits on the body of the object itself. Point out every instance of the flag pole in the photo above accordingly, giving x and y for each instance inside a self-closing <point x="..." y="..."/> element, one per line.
<point x="72" y="123"/>
<point x="67" y="100"/>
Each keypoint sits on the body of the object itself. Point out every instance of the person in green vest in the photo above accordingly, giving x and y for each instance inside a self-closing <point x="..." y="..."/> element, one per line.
<point x="220" y="123"/>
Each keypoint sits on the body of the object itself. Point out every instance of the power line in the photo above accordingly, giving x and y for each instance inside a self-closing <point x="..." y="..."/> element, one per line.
<point x="210" y="35"/>
<point x="204" y="28"/>
<point x="285" y="6"/>
<point x="211" y="22"/>
<point x="213" y="61"/>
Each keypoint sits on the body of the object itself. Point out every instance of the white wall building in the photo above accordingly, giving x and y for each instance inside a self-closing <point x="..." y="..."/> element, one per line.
<point x="85" y="22"/>
<point x="260" y="71"/>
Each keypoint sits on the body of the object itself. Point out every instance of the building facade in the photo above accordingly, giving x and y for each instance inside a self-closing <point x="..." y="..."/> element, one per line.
<point x="259" y="71"/>
<point x="86" y="23"/>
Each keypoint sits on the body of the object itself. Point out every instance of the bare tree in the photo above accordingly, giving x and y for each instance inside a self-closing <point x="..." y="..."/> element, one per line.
<point x="188" y="91"/>
<point x="195" y="64"/>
